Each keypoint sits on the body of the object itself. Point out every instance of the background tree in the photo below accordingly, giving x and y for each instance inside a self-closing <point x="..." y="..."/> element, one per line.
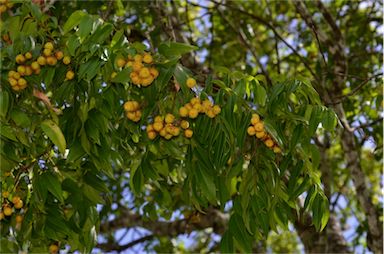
<point x="89" y="171"/>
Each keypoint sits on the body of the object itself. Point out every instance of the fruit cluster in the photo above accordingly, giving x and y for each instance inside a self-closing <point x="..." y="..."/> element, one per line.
<point x="132" y="110"/>
<point x="5" y="5"/>
<point x="193" y="108"/>
<point x="257" y="129"/>
<point x="191" y="82"/>
<point x="9" y="205"/>
<point x="143" y="73"/>
<point x="168" y="127"/>
<point x="28" y="66"/>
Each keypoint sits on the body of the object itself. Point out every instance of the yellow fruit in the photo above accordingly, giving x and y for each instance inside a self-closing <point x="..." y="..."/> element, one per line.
<point x="147" y="81"/>
<point x="59" y="55"/>
<point x="3" y="8"/>
<point x="259" y="126"/>
<point x="51" y="60"/>
<point x="169" y="118"/>
<point x="16" y="75"/>
<point x="41" y="60"/>
<point x="269" y="143"/>
<point x="136" y="66"/>
<point x="154" y="72"/>
<point x="144" y="72"/>
<point x="150" y="128"/>
<point x="120" y="62"/>
<point x="16" y="88"/>
<point x="188" y="106"/>
<point x="22" y="83"/>
<point x="260" y="134"/>
<point x="207" y="103"/>
<point x="159" y="119"/>
<point x="276" y="149"/>
<point x="7" y="210"/>
<point x="188" y="133"/>
<point x="5" y="194"/>
<point x="129" y="64"/>
<point x="113" y="75"/>
<point x="12" y="81"/>
<point x="20" y="59"/>
<point x="19" y="218"/>
<point x="53" y="249"/>
<point x="184" y="124"/>
<point x="28" y="55"/>
<point x="66" y="60"/>
<point x="69" y="75"/>
<point x="11" y="74"/>
<point x="183" y="112"/>
<point x="210" y="113"/>
<point x="216" y="109"/>
<point x="48" y="45"/>
<point x="138" y="114"/>
<point x="47" y="52"/>
<point x="198" y="107"/>
<point x="168" y="136"/>
<point x="251" y="131"/>
<point x="129" y="106"/>
<point x="193" y="113"/>
<point x="37" y="71"/>
<point x="35" y="65"/>
<point x="147" y="58"/>
<point x="130" y="115"/>
<point x="16" y="199"/>
<point x="191" y="82"/>
<point x="195" y="100"/>
<point x="138" y="58"/>
<point x="163" y="132"/>
<point x="28" y="70"/>
<point x="151" y="135"/>
<point x="158" y="126"/>
<point x="175" y="131"/>
<point x="21" y="70"/>
<point x="2" y="216"/>
<point x="255" y="119"/>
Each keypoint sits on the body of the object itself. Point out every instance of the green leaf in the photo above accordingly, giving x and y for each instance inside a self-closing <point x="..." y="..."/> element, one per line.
<point x="122" y="76"/>
<point x="85" y="26"/>
<point x="237" y="228"/>
<point x="7" y="132"/>
<point x="73" y="20"/>
<point x="170" y="49"/>
<point x="4" y="103"/>
<point x="54" y="134"/>
<point x="329" y="120"/>
<point x="92" y="194"/>
<point x="260" y="94"/>
<point x="226" y="244"/>
<point x="206" y="183"/>
<point x="20" y="118"/>
<point x="53" y="185"/>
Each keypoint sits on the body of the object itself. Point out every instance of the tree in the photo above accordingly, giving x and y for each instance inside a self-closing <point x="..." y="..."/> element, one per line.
<point x="225" y="121"/>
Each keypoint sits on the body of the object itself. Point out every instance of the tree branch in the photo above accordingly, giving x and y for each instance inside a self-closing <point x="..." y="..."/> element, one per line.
<point x="116" y="247"/>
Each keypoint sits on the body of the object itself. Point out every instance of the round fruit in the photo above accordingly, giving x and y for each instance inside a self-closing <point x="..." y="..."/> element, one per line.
<point x="147" y="58"/>
<point x="260" y="134"/>
<point x="70" y="75"/>
<point x="48" y="45"/>
<point x="184" y="124"/>
<point x="147" y="81"/>
<point x="11" y="74"/>
<point x="193" y="113"/>
<point x="255" y="119"/>
<point x="16" y="76"/>
<point x="7" y="210"/>
<point x="2" y="216"/>
<point x="20" y="59"/>
<point x="41" y="60"/>
<point x="28" y="55"/>
<point x="251" y="131"/>
<point x="66" y="60"/>
<point x="22" y="83"/>
<point x="19" y="218"/>
<point x="269" y="143"/>
<point x="53" y="249"/>
<point x="130" y="115"/>
<point x="259" y="126"/>
<point x="136" y="66"/>
<point x="12" y="81"/>
<point x="188" y="133"/>
<point x="195" y="100"/>
<point x="144" y="72"/>
<point x="169" y="118"/>
<point x="16" y="199"/>
<point x="138" y="58"/>
<point x="158" y="126"/>
<point x="5" y="194"/>
<point x="21" y="70"/>
<point x="163" y="132"/>
<point x="198" y="107"/>
<point x="210" y="113"/>
<point x="183" y="112"/>
<point x="191" y="82"/>
<point x="120" y="62"/>
<point x="154" y="72"/>
<point x="216" y="109"/>
<point x="151" y="135"/>
<point x="59" y="55"/>
<point x="35" y="65"/>
<point x="276" y="149"/>
<point x="3" y="8"/>
<point x="168" y="136"/>
<point x="129" y="64"/>
<point x="28" y="70"/>
<point x="47" y="52"/>
<point x="129" y="106"/>
<point x="51" y="60"/>
<point x="150" y="128"/>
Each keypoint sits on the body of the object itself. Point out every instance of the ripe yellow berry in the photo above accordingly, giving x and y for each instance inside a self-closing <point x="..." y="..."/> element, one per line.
<point x="21" y="70"/>
<point x="260" y="134"/>
<point x="259" y="126"/>
<point x="16" y="75"/>
<point x="191" y="82"/>
<point x="188" y="133"/>
<point x="51" y="60"/>
<point x="183" y="112"/>
<point x="144" y="72"/>
<point x="147" y="81"/>
<point x="2" y="216"/>
<point x="12" y="81"/>
<point x="154" y="72"/>
<point x="147" y="58"/>
<point x="28" y="70"/>
<point x="216" y="109"/>
<point x="251" y="131"/>
<point x="129" y="64"/>
<point x="66" y="60"/>
<point x="150" y="128"/>
<point x="198" y="107"/>
<point x="207" y="103"/>
<point x="59" y="55"/>
<point x="276" y="149"/>
<point x="129" y="106"/>
<point x="120" y="62"/>
<point x="22" y="83"/>
<point x="184" y="124"/>
<point x="35" y="65"/>
<point x="28" y="55"/>
<point x="16" y="199"/>
<point x="151" y="135"/>
<point x="195" y="100"/>
<point x="158" y="126"/>
<point x="169" y="118"/>
<point x="175" y="131"/>
<point x="269" y="143"/>
<point x="20" y="59"/>
<point x="188" y="106"/>
<point x="255" y="119"/>
<point x="53" y="249"/>
<point x="163" y="132"/>
<point x="137" y="66"/>
<point x="11" y="74"/>
<point x="37" y="71"/>
<point x="7" y="210"/>
<point x="210" y="113"/>
<point x="138" y="58"/>
<point x="159" y="119"/>
<point x="19" y="218"/>
<point x="193" y="113"/>
<point x="47" y="52"/>
<point x="41" y="60"/>
<point x="69" y="75"/>
<point x="130" y="115"/>
<point x="5" y="194"/>
<point x="48" y="45"/>
<point x="168" y="136"/>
